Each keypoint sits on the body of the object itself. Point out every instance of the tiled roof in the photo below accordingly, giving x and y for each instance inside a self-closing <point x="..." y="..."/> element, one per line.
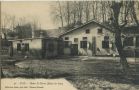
<point x="89" y="22"/>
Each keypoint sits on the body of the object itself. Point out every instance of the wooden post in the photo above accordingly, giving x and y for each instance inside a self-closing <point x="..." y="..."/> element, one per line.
<point x="94" y="46"/>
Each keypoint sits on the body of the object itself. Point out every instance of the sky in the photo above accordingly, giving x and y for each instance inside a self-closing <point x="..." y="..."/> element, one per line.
<point x="38" y="10"/>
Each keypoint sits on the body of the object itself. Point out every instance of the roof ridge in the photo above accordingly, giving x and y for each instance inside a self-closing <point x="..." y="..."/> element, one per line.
<point x="90" y="21"/>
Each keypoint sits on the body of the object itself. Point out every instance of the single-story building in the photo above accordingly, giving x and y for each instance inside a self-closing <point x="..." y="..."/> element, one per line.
<point x="130" y="36"/>
<point x="36" y="47"/>
<point x="90" y="39"/>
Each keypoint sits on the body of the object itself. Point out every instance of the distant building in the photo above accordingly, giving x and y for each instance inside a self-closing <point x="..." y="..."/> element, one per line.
<point x="44" y="43"/>
<point x="131" y="40"/>
<point x="89" y="39"/>
<point x="36" y="47"/>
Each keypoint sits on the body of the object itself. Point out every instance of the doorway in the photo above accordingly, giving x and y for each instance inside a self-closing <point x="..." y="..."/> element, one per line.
<point x="74" y="49"/>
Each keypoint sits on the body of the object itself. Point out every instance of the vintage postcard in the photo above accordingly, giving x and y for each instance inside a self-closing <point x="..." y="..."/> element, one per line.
<point x="69" y="45"/>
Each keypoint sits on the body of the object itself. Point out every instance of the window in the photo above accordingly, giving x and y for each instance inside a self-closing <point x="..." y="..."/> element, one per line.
<point x="128" y="41"/>
<point x="26" y="47"/>
<point x="85" y="38"/>
<point x="87" y="31"/>
<point x="18" y="47"/>
<point x="137" y="41"/>
<point x="106" y="38"/>
<point x="66" y="38"/>
<point x="75" y="39"/>
<point x="100" y="31"/>
<point x="83" y="44"/>
<point x="67" y="44"/>
<point x="105" y="44"/>
<point x="50" y="47"/>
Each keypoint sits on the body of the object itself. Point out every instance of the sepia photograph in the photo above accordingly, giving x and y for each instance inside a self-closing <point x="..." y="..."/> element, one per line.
<point x="71" y="45"/>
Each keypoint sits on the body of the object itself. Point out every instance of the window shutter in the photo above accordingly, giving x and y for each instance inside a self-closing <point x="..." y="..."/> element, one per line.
<point x="18" y="47"/>
<point x="26" y="47"/>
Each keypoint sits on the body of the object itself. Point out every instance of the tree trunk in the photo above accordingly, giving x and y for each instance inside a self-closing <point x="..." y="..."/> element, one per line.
<point x="134" y="14"/>
<point x="68" y="14"/>
<point x="61" y="16"/>
<point x="118" y="43"/>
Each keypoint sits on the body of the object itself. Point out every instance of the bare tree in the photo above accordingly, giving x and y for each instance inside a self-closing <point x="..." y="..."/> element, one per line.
<point x="73" y="12"/>
<point x="94" y="10"/>
<point x="22" y="20"/>
<point x="13" y="22"/>
<point x="61" y="15"/>
<point x="57" y="13"/>
<point x="116" y="7"/>
<point x="68" y="12"/>
<point x="35" y="24"/>
<point x="5" y="20"/>
<point x="134" y="12"/>
<point x="80" y="10"/>
<point x="103" y="11"/>
<point x="87" y="10"/>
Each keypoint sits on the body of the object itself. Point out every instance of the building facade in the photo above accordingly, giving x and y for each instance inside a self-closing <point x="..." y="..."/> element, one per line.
<point x="37" y="48"/>
<point x="89" y="39"/>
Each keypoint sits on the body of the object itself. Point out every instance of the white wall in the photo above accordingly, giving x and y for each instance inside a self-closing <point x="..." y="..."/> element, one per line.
<point x="33" y="43"/>
<point x="35" y="47"/>
<point x="80" y="33"/>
